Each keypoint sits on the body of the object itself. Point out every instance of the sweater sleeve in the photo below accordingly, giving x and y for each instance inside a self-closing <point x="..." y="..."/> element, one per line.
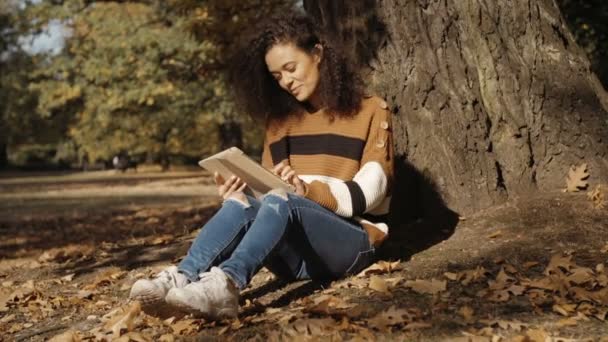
<point x="370" y="187"/>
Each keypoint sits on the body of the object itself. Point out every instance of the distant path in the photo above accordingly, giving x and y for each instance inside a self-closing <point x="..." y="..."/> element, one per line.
<point x="59" y="194"/>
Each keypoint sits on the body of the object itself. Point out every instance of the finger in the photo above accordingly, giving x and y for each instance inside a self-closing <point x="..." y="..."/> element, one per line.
<point x="228" y="183"/>
<point x="221" y="190"/>
<point x="277" y="168"/>
<point x="288" y="177"/>
<point x="242" y="187"/>
<point x="235" y="185"/>
<point x="285" y="171"/>
<point x="219" y="180"/>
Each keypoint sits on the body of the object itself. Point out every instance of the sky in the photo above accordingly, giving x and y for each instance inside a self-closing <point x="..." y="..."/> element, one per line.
<point x="50" y="40"/>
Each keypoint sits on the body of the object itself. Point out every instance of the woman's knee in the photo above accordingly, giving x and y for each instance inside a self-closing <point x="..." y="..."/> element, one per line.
<point x="240" y="198"/>
<point x="276" y="199"/>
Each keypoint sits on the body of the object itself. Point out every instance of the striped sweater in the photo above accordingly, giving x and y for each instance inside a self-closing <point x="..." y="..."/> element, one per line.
<point x="347" y="162"/>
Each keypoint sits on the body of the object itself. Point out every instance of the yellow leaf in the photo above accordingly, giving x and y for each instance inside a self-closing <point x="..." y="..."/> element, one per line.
<point x="495" y="234"/>
<point x="432" y="286"/>
<point x="378" y="284"/>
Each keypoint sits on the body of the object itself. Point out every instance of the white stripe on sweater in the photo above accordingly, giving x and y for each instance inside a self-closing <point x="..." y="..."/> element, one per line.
<point x="338" y="189"/>
<point x="373" y="183"/>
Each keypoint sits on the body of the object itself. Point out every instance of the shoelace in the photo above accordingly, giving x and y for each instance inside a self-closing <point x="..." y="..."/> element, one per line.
<point x="169" y="276"/>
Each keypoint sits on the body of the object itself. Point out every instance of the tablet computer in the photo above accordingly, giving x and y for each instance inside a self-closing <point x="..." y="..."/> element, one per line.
<point x="234" y="161"/>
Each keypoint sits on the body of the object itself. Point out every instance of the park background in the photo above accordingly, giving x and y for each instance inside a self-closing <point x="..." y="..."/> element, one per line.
<point x="498" y="221"/>
<point x="82" y="81"/>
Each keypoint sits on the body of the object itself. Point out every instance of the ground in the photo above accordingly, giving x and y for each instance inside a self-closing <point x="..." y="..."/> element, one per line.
<point x="72" y="245"/>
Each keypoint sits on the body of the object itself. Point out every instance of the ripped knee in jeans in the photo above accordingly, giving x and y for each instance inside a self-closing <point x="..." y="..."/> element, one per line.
<point x="278" y="192"/>
<point x="239" y="197"/>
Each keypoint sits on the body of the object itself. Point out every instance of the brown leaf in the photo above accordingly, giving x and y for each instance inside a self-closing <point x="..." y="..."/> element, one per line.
<point x="329" y="305"/>
<point x="432" y="286"/>
<point x="69" y="252"/>
<point x="559" y="262"/>
<point x="467" y="313"/>
<point x="378" y="284"/>
<point x="537" y="335"/>
<point x="529" y="264"/>
<point x="451" y="276"/>
<point x="472" y="276"/>
<point x="166" y="338"/>
<point x="184" y="327"/>
<point x="380" y="267"/>
<point x="564" y="309"/>
<point x="598" y="197"/>
<point x="390" y="317"/>
<point x="106" y="278"/>
<point x="576" y="179"/>
<point x="68" y="336"/>
<point x="567" y="322"/>
<point x="124" y="319"/>
<point x="581" y="275"/>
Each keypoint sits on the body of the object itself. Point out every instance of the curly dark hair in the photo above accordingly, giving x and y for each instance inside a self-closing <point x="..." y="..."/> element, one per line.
<point x="260" y="95"/>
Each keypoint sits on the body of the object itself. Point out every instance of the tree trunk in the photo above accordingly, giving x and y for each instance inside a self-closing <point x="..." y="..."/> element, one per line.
<point x="492" y="99"/>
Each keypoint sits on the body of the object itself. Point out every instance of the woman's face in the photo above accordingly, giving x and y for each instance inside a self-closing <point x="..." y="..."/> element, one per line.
<point x="296" y="70"/>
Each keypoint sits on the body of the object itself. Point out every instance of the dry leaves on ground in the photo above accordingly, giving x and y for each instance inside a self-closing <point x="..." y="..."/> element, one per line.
<point x="577" y="178"/>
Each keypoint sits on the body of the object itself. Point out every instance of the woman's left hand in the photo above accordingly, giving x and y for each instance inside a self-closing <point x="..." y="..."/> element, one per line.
<point x="289" y="175"/>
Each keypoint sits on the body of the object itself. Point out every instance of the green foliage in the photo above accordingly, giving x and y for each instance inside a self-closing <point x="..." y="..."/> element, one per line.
<point x="145" y="77"/>
<point x="128" y="82"/>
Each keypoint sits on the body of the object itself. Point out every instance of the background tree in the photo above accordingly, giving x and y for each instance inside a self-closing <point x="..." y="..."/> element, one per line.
<point x="486" y="104"/>
<point x="587" y="21"/>
<point x="127" y="77"/>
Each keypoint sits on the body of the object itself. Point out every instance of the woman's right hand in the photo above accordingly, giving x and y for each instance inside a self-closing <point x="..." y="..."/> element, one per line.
<point x="225" y="188"/>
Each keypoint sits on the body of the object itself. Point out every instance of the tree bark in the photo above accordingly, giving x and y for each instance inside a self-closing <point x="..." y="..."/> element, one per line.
<point x="492" y="99"/>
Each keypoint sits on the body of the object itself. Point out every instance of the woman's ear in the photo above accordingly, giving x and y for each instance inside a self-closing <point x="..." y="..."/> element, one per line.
<point x="318" y="52"/>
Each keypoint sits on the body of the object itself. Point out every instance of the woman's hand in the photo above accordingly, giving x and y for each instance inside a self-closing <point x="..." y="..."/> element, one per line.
<point x="289" y="175"/>
<point x="225" y="188"/>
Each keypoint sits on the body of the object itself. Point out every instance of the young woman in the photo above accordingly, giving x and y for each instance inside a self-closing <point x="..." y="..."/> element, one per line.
<point x="324" y="137"/>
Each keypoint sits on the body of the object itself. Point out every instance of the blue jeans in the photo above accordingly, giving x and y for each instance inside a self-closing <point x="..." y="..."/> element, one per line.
<point x="294" y="237"/>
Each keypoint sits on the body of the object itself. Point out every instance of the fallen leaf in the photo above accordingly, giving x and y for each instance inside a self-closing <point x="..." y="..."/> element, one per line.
<point x="467" y="313"/>
<point x="529" y="264"/>
<point x="380" y="267"/>
<point x="390" y="317"/>
<point x="495" y="234"/>
<point x="67" y="253"/>
<point x="432" y="286"/>
<point x="564" y="309"/>
<point x="166" y="338"/>
<point x="68" y="336"/>
<point x="537" y="335"/>
<point x="378" y="284"/>
<point x="559" y="262"/>
<point x="576" y="179"/>
<point x="581" y="275"/>
<point x="7" y="319"/>
<point x="184" y="327"/>
<point x="451" y="276"/>
<point x="598" y="197"/>
<point x="124" y="320"/>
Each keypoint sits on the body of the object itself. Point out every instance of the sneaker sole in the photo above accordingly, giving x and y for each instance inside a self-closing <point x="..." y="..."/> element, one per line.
<point x="186" y="309"/>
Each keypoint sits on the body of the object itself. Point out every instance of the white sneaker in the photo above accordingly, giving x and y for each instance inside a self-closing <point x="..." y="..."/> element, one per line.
<point x="151" y="292"/>
<point x="214" y="296"/>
